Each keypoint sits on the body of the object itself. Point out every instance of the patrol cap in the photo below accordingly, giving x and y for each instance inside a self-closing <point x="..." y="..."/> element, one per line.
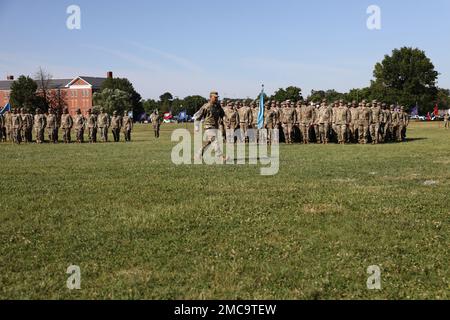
<point x="214" y="93"/>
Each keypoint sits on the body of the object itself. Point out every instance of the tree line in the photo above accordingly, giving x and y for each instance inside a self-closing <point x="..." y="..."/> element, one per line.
<point x="406" y="77"/>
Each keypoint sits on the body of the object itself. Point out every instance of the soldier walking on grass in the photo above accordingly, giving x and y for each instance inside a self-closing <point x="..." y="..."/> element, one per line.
<point x="446" y="116"/>
<point x="155" y="118"/>
<point x="211" y="113"/>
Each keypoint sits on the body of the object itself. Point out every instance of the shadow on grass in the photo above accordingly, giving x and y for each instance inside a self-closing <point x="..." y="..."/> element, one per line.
<point x="415" y="139"/>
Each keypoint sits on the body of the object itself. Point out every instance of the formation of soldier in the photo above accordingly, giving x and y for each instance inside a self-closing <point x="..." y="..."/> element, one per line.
<point x="304" y="122"/>
<point x="18" y="126"/>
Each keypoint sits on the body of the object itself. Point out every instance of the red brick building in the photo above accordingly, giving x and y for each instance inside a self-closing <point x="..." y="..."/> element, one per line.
<point x="76" y="92"/>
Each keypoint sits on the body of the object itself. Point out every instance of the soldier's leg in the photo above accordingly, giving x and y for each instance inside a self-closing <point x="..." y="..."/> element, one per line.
<point x="361" y="134"/>
<point x="399" y="133"/>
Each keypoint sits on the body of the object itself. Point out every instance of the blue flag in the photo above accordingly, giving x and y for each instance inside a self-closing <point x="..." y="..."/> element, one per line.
<point x="5" y="108"/>
<point x="261" y="110"/>
<point x="182" y="116"/>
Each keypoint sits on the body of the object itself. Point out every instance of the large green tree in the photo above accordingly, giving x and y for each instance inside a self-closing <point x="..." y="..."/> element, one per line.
<point x="443" y="98"/>
<point x="113" y="100"/>
<point x="166" y="101"/>
<point x="193" y="103"/>
<point x="150" y="105"/>
<point x="407" y="77"/>
<point x="24" y="95"/>
<point x="125" y="85"/>
<point x="290" y="93"/>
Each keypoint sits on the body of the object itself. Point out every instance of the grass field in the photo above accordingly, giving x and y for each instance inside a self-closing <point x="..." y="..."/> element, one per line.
<point x="140" y="227"/>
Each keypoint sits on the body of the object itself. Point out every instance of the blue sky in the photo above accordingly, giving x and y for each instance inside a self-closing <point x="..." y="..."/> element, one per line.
<point x="192" y="47"/>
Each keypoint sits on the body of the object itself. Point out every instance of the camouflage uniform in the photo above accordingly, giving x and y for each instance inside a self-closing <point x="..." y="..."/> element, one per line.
<point x="288" y="118"/>
<point x="254" y="125"/>
<point x="341" y="119"/>
<point x="16" y="127"/>
<point x="306" y="120"/>
<point x="212" y="114"/>
<point x="316" y="125"/>
<point x="127" y="126"/>
<point x="297" y="128"/>
<point x="387" y="132"/>
<point x="8" y="129"/>
<point x="91" y="124"/>
<point x="403" y="124"/>
<point x="79" y="122"/>
<point x="66" y="126"/>
<point x="156" y="123"/>
<point x="334" y="133"/>
<point x="269" y="122"/>
<point x="27" y="123"/>
<point x="364" y="121"/>
<point x="40" y="122"/>
<point x="324" y="119"/>
<point x="230" y="121"/>
<point x="103" y="122"/>
<point x="52" y="127"/>
<point x="375" y="127"/>
<point x="446" y="116"/>
<point x="353" y="126"/>
<point x="395" y="125"/>
<point x="245" y="121"/>
<point x="116" y="125"/>
<point x="2" y="126"/>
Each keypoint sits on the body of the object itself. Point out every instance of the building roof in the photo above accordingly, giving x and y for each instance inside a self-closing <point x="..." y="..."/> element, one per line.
<point x="95" y="82"/>
<point x="5" y="84"/>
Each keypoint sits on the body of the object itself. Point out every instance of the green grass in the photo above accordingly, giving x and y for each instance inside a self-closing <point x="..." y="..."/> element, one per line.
<point x="140" y="227"/>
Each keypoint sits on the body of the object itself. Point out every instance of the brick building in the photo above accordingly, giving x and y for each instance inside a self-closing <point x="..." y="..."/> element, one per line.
<point x="77" y="92"/>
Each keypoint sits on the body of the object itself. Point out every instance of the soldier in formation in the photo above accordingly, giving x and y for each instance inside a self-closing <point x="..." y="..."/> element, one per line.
<point x="40" y="122"/>
<point x="127" y="126"/>
<point x="308" y="122"/>
<point x="18" y="126"/>
<point x="79" y="123"/>
<point x="116" y="126"/>
<point x="103" y="123"/>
